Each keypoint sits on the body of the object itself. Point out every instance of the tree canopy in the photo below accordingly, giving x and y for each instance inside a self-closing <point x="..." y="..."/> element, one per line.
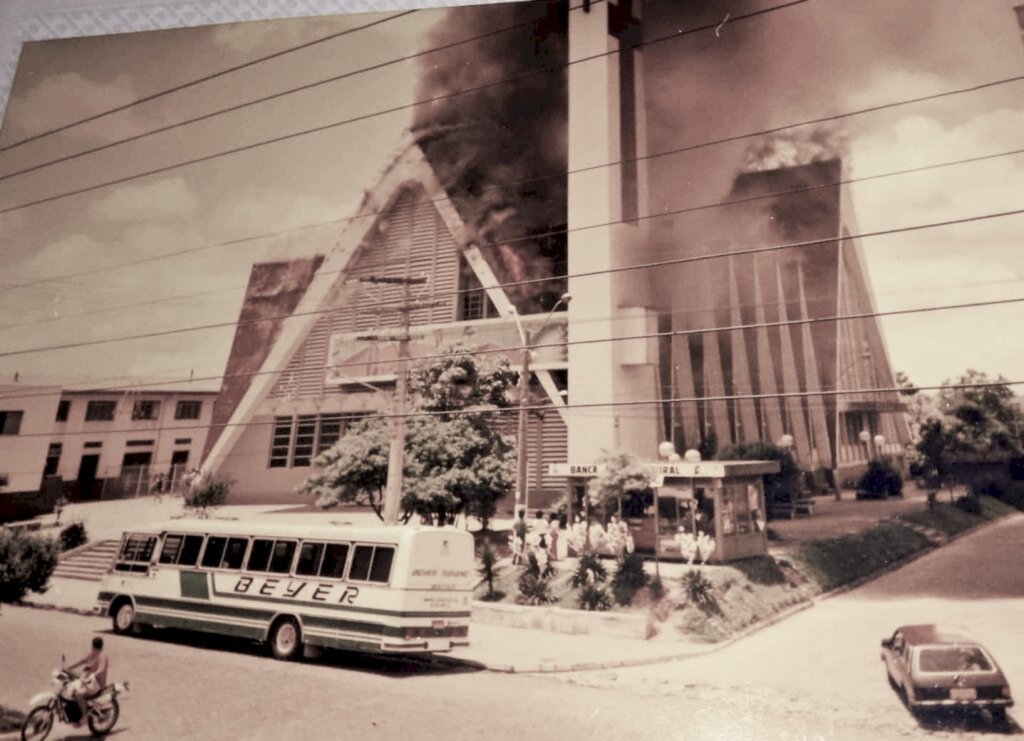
<point x="456" y="460"/>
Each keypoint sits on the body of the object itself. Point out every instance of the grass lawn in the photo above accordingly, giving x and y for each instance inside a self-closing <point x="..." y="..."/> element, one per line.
<point x="950" y="519"/>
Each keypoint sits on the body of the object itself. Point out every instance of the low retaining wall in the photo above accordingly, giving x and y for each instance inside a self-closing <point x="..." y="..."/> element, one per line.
<point x="562" y="620"/>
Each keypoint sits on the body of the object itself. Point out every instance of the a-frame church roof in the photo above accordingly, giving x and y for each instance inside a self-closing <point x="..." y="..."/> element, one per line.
<point x="257" y="362"/>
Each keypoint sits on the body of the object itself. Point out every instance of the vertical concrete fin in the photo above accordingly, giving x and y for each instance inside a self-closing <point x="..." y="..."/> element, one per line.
<point x="746" y="416"/>
<point x="771" y="409"/>
<point x="815" y="402"/>
<point x="790" y="378"/>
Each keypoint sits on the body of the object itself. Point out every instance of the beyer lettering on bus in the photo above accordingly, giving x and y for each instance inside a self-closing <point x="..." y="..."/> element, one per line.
<point x="320" y="592"/>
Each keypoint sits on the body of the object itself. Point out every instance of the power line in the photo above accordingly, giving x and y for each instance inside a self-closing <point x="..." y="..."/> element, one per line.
<point x="662" y="214"/>
<point x="198" y="81"/>
<point x="654" y="335"/>
<point x="643" y="266"/>
<point x="384" y="112"/>
<point x="588" y="405"/>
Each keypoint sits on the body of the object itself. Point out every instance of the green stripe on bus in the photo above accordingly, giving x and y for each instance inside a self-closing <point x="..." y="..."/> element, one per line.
<point x="206" y="626"/>
<point x="206" y="608"/>
<point x="195" y="584"/>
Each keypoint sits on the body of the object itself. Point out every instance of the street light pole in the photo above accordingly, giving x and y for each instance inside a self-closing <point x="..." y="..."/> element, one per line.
<point x="526" y="337"/>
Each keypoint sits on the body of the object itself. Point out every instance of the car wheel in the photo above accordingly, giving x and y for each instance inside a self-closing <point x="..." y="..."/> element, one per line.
<point x="999" y="716"/>
<point x="124" y="618"/>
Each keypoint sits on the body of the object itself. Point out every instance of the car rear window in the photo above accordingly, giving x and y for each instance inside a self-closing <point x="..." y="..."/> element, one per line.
<point x="954" y="659"/>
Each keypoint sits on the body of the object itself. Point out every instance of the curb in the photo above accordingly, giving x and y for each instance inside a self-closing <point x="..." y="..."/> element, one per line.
<point x="90" y="612"/>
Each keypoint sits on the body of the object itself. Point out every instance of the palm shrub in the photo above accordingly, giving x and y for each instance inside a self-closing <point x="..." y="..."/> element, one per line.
<point x="594" y="598"/>
<point x="26" y="563"/>
<point x="589" y="570"/>
<point x="629" y="578"/>
<point x="488" y="569"/>
<point x="699" y="590"/>
<point x="534" y="587"/>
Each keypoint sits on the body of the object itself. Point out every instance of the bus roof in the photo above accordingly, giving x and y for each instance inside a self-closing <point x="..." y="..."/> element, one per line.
<point x="305" y="530"/>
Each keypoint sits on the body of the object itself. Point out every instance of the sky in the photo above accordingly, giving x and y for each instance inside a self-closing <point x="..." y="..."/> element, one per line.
<point x="208" y="218"/>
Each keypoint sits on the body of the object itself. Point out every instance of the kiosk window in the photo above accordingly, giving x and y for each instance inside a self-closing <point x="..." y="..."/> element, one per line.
<point x="309" y="559"/>
<point x="189" y="554"/>
<point x="284" y="552"/>
<point x="214" y="550"/>
<point x="335" y="555"/>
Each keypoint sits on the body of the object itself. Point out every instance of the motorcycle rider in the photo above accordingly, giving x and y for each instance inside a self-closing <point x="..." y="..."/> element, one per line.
<point x="93" y="677"/>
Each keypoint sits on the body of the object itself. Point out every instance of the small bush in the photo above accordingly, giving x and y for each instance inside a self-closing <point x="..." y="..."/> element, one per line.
<point x="26" y="563"/>
<point x="207" y="491"/>
<point x="594" y="598"/>
<point x="990" y="487"/>
<point x="699" y="590"/>
<point x="589" y="570"/>
<point x="968" y="504"/>
<point x="882" y="478"/>
<point x="629" y="578"/>
<point x="760" y="570"/>
<point x="73" y="536"/>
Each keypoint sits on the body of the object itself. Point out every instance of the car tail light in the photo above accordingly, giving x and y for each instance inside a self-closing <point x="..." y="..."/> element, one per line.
<point x="1006" y="691"/>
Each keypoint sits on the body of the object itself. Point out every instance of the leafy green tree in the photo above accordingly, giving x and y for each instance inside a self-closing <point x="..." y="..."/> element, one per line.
<point x="782" y="486"/>
<point x="983" y="416"/>
<point x="622" y="476"/>
<point x="456" y="461"/>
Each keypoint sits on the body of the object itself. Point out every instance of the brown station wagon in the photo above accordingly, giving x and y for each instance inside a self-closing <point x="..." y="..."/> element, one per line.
<point x="936" y="667"/>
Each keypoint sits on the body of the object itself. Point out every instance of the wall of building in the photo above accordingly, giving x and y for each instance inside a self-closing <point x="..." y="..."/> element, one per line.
<point x="23" y="455"/>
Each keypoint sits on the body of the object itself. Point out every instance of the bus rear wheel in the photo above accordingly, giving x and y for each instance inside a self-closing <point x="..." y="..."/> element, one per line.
<point x="285" y="639"/>
<point x="124" y="617"/>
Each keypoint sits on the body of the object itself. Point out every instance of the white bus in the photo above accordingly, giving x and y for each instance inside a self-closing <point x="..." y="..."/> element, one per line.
<point x="374" y="589"/>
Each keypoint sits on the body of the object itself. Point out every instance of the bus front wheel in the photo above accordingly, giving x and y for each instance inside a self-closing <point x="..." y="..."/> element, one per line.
<point x="285" y="639"/>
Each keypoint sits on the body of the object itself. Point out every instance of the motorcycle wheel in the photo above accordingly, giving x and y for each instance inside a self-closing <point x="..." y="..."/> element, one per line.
<point x="37" y="725"/>
<point x="102" y="719"/>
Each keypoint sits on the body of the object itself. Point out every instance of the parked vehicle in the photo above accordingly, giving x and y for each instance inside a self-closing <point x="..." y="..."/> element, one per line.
<point x="59" y="704"/>
<point x="374" y="589"/>
<point x="936" y="667"/>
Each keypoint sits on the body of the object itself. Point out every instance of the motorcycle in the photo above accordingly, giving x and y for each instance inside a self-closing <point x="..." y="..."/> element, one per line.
<point x="102" y="711"/>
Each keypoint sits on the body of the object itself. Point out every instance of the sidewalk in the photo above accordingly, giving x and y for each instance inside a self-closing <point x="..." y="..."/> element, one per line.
<point x="495" y="648"/>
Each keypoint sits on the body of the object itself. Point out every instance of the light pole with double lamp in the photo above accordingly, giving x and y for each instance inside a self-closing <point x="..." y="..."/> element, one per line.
<point x="526" y="337"/>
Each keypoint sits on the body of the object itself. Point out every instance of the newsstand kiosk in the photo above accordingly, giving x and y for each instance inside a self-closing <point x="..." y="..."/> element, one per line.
<point x="724" y="499"/>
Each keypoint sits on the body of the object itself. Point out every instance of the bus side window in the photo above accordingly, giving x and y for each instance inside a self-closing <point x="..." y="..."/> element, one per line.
<point x="361" y="561"/>
<point x="309" y="559"/>
<point x="381" y="569"/>
<point x="284" y="554"/>
<point x="136" y="553"/>
<point x="234" y="554"/>
<point x="172" y="546"/>
<point x="189" y="554"/>
<point x="333" y="566"/>
<point x="214" y="550"/>
<point x="259" y="556"/>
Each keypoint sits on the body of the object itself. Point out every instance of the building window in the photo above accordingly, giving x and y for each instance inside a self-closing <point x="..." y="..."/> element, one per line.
<point x="63" y="408"/>
<point x="93" y="444"/>
<point x="139" y="443"/>
<point x="10" y="422"/>
<point x="188" y="410"/>
<point x="53" y="459"/>
<point x="305" y="438"/>
<point x="280" y="444"/>
<point x="473" y="300"/>
<point x="100" y="411"/>
<point x="146" y="409"/>
<point x="182" y="441"/>
<point x="296" y="441"/>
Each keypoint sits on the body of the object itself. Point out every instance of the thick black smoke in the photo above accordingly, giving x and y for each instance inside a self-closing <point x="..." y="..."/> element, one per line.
<point x="500" y="150"/>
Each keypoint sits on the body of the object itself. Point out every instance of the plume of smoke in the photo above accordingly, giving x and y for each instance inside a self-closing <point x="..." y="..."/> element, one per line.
<point x="496" y="148"/>
<point x="796" y="148"/>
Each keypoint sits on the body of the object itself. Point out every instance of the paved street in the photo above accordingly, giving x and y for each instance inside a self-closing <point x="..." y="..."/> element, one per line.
<point x="816" y="675"/>
<point x="821" y="669"/>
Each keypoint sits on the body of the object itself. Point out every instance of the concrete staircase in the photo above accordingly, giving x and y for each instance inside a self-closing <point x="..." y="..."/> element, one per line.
<point x="89" y="562"/>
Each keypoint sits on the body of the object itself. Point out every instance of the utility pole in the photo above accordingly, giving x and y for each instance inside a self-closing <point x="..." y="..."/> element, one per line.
<point x="396" y="454"/>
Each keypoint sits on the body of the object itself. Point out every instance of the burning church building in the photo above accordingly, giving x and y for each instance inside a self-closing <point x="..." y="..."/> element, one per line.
<point x="713" y="300"/>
